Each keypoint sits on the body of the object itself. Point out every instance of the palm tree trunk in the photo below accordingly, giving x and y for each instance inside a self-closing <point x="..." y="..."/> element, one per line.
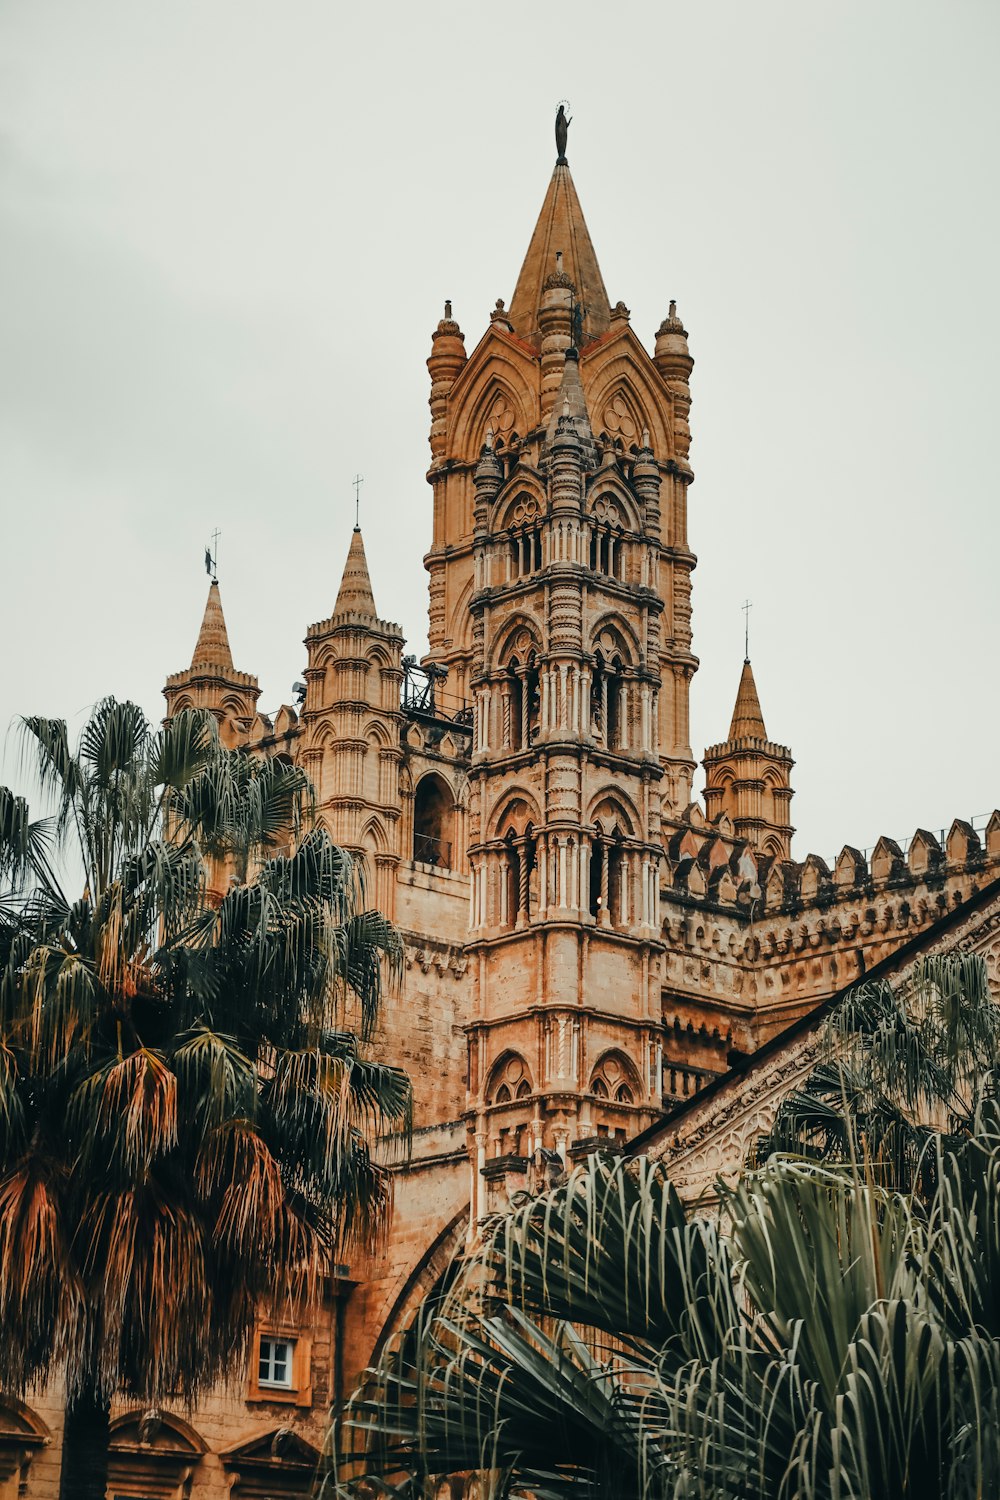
<point x="87" y="1429"/>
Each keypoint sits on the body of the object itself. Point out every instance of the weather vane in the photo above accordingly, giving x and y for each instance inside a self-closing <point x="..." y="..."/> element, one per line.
<point x="357" y="482"/>
<point x="212" y="557"/>
<point x="746" y="607"/>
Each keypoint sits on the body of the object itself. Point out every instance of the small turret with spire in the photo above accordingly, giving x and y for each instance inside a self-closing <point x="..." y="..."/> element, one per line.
<point x="747" y="777"/>
<point x="211" y="681"/>
<point x="350" y="724"/>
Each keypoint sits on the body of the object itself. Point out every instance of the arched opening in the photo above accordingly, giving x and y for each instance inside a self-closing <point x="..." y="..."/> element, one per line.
<point x="607" y="709"/>
<point x="517" y="894"/>
<point x="607" y="549"/>
<point x="606" y="867"/>
<point x="433" y="822"/>
<point x="522" y="701"/>
<point x="525" y="546"/>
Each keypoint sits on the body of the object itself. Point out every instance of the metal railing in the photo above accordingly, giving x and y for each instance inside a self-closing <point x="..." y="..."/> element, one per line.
<point x="428" y="850"/>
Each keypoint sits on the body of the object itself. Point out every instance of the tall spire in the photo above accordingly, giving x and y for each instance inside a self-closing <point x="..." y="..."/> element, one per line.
<point x="356" y="595"/>
<point x="561" y="228"/>
<point x="748" y="721"/>
<point x="212" y="649"/>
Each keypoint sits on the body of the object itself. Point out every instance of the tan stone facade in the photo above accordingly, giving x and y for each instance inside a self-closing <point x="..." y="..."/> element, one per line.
<point x="587" y="948"/>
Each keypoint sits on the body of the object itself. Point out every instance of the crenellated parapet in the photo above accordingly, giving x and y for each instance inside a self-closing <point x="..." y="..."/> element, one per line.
<point x="752" y="942"/>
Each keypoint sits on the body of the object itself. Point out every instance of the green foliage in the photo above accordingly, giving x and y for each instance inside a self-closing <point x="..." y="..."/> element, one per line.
<point x="832" y="1336"/>
<point x="186" y="1117"/>
<point x="902" y="1066"/>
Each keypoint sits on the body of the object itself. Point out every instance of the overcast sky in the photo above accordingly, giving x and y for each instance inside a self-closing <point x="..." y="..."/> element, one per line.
<point x="227" y="230"/>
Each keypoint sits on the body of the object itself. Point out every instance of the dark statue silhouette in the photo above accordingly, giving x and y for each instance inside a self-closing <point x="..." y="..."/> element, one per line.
<point x="562" y="131"/>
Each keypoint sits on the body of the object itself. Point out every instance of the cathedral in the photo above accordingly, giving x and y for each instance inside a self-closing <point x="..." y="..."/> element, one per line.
<point x="594" y="959"/>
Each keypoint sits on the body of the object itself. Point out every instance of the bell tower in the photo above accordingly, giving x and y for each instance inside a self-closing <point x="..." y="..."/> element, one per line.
<point x="560" y="604"/>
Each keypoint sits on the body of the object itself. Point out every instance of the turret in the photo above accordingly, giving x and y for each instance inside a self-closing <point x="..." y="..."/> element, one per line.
<point x="445" y="363"/>
<point x="673" y="360"/>
<point x="747" y="777"/>
<point x="350" y="724"/>
<point x="211" y="681"/>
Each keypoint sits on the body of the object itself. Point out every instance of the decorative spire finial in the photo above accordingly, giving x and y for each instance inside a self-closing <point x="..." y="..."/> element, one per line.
<point x="746" y="607"/>
<point x="212" y="557"/>
<point x="563" y="122"/>
<point x="357" y="482"/>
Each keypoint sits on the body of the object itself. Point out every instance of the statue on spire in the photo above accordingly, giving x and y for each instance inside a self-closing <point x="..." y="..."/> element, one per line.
<point x="562" y="132"/>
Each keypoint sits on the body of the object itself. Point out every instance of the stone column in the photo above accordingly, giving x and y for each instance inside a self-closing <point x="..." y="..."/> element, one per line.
<point x="604" y="917"/>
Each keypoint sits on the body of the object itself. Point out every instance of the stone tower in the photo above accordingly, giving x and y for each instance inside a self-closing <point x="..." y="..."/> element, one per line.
<point x="560" y="608"/>
<point x="747" y="777"/>
<point x="350" y="725"/>
<point x="211" y="681"/>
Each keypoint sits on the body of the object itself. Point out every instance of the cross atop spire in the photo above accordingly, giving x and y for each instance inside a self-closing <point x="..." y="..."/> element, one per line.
<point x="561" y="228"/>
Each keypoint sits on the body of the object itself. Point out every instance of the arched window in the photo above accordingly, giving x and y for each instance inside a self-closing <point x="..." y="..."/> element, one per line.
<point x="607" y="549"/>
<point x="607" y="710"/>
<point x="433" y="822"/>
<point x="521" y="704"/>
<point x="525" y="546"/>
<point x="606" y="857"/>
<point x="614" y="1079"/>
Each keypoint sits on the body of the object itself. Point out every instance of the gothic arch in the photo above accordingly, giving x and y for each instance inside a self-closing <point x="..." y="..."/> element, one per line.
<point x="432" y="1271"/>
<point x="610" y="503"/>
<point x="377" y="730"/>
<point x="615" y="1077"/>
<point x="610" y="806"/>
<point x="183" y="704"/>
<point x="459" y="620"/>
<point x="622" y="639"/>
<point x="522" y="493"/>
<point x="620" y="415"/>
<point x="515" y="808"/>
<point x="374" y="836"/>
<point x="507" y="1076"/>
<point x="489" y="376"/>
<point x="519" y="637"/>
<point x="628" y="368"/>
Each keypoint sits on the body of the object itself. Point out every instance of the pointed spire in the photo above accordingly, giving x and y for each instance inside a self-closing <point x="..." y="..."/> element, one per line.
<point x="571" y="403"/>
<point x="561" y="228"/>
<point x="212" y="649"/>
<point x="356" y="595"/>
<point x="748" y="721"/>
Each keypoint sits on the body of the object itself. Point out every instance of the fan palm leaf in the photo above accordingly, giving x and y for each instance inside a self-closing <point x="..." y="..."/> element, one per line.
<point x="186" y="1119"/>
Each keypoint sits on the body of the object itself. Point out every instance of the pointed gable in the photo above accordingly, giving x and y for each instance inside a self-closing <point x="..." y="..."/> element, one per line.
<point x="561" y="227"/>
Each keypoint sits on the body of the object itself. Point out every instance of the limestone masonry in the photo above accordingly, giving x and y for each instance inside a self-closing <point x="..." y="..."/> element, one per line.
<point x="587" y="948"/>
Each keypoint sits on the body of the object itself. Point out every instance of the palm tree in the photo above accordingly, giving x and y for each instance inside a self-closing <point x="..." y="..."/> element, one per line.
<point x="901" y="1065"/>
<point x="186" y="1109"/>
<point x="830" y="1338"/>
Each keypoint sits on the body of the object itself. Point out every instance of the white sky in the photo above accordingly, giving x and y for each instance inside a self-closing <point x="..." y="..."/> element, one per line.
<point x="226" y="233"/>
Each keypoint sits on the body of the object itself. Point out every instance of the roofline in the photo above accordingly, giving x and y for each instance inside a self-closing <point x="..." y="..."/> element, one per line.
<point x="812" y="1018"/>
